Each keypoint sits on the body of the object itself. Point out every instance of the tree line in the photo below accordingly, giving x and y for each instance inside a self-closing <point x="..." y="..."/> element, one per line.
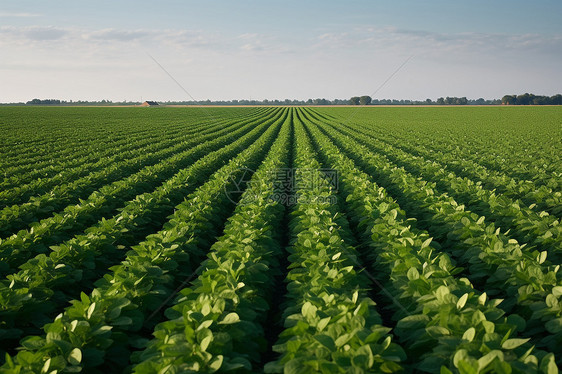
<point x="525" y="99"/>
<point x="78" y="102"/>
<point x="530" y="99"/>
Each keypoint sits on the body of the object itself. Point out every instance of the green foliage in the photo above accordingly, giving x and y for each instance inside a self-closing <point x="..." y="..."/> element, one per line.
<point x="129" y="254"/>
<point x="216" y="324"/>
<point x="444" y="321"/>
<point x="144" y="279"/>
<point x="330" y="324"/>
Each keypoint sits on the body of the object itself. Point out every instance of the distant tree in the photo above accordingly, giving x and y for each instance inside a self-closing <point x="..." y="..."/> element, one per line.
<point x="44" y="102"/>
<point x="321" y="102"/>
<point x="556" y="100"/>
<point x="440" y="101"/>
<point x="509" y="100"/>
<point x="525" y="99"/>
<point x="365" y="100"/>
<point x="428" y="102"/>
<point x="355" y="100"/>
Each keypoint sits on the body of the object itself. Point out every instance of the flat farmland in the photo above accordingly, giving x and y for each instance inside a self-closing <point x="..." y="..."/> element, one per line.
<point x="280" y="239"/>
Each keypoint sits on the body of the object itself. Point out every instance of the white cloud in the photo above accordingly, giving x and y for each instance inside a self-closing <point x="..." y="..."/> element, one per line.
<point x="16" y="35"/>
<point x="76" y="62"/>
<point x="18" y="15"/>
<point x="74" y="36"/>
<point x="117" y="35"/>
<point x="424" y="42"/>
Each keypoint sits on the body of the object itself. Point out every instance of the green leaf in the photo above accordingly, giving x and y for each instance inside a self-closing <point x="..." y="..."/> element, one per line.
<point x="75" y="356"/>
<point x="334" y="239"/>
<point x="205" y="342"/>
<point x="554" y="326"/>
<point x="342" y="339"/>
<point x="102" y="330"/>
<point x="482" y="298"/>
<point x="514" y="343"/>
<point x="426" y="243"/>
<point x="489" y="326"/>
<point x="46" y="366"/>
<point x="33" y="342"/>
<point x="557" y="291"/>
<point x="413" y="274"/>
<point x="122" y="321"/>
<point x="355" y="297"/>
<point x="518" y="321"/>
<point x="412" y="322"/>
<point x="484" y="361"/>
<point x="551" y="301"/>
<point x="204" y="324"/>
<point x="230" y="318"/>
<point x="462" y="301"/>
<point x="460" y="355"/>
<point x="206" y="309"/>
<point x="216" y="363"/>
<point x="84" y="298"/>
<point x="502" y="367"/>
<point x="323" y="323"/>
<point x="542" y="257"/>
<point x="308" y="310"/>
<point x="441" y="292"/>
<point x="437" y="331"/>
<point x="91" y="310"/>
<point x="114" y="313"/>
<point x="326" y="341"/>
<point x="469" y="334"/>
<point x="548" y="364"/>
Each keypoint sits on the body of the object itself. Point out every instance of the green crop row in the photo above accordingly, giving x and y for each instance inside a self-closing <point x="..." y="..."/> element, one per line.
<point x="512" y="142"/>
<point x="367" y="240"/>
<point x="331" y="326"/>
<point x="100" y="330"/>
<point x="496" y="263"/>
<point x="442" y="320"/>
<point x="216" y="323"/>
<point x="33" y="293"/>
<point x="52" y="168"/>
<point x="545" y="193"/>
<point x="61" y="133"/>
<point x="19" y="188"/>
<point x="18" y="216"/>
<point x="17" y="249"/>
<point x="529" y="226"/>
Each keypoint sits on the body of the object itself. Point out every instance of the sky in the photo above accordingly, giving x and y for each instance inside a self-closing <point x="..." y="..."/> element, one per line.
<point x="223" y="50"/>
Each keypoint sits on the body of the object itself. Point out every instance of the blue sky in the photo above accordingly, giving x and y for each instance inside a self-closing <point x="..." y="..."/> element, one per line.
<point x="293" y="49"/>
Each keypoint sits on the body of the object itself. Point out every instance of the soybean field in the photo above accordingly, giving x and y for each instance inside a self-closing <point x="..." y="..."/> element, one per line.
<point x="280" y="239"/>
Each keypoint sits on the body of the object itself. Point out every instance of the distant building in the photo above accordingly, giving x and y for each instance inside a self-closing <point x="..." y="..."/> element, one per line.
<point x="149" y="103"/>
